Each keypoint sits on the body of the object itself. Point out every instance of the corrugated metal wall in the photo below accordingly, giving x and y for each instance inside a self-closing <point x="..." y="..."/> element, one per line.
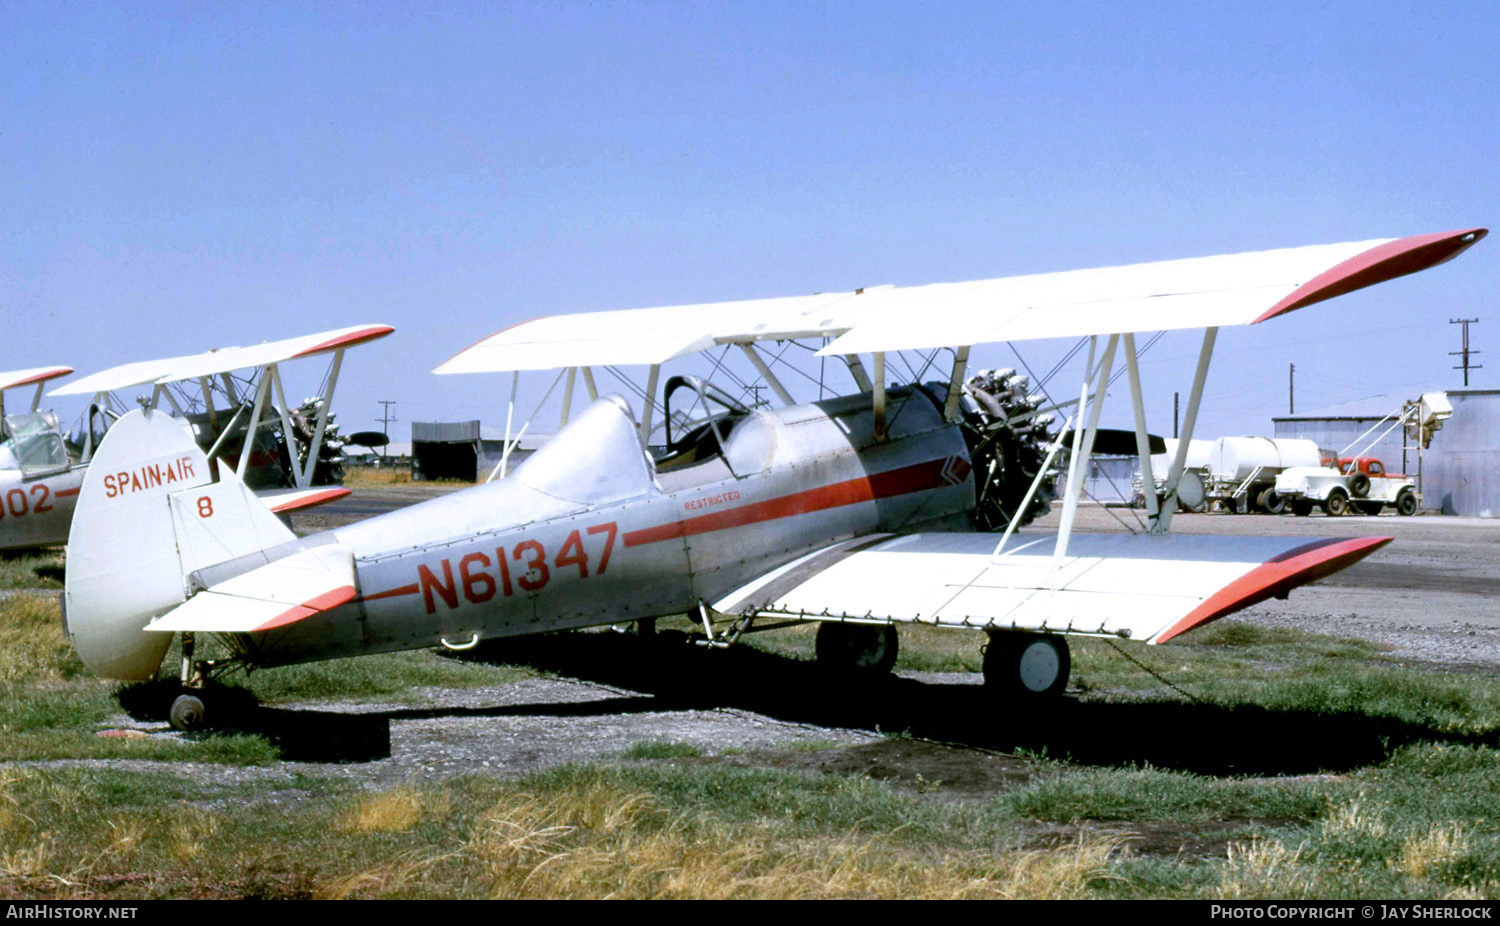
<point x="1460" y="471"/>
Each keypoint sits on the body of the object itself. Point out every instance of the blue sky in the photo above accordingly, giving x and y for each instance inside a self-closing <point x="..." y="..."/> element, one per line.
<point x="181" y="176"/>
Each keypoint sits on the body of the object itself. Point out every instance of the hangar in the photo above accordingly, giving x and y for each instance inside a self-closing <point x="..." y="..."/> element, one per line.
<point x="465" y="450"/>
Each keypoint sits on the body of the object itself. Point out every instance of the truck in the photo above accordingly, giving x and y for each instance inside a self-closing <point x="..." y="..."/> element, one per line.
<point x="1354" y="480"/>
<point x="1360" y="483"/>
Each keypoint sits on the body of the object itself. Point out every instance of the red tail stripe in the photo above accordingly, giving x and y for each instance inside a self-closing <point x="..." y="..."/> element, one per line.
<point x="324" y="602"/>
<point x="307" y="501"/>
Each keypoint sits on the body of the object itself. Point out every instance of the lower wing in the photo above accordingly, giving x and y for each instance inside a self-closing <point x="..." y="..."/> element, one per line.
<point x="1140" y="586"/>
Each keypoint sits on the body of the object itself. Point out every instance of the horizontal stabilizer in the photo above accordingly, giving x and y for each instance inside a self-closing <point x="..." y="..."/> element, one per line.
<point x="275" y="595"/>
<point x="1139" y="586"/>
<point x="282" y="501"/>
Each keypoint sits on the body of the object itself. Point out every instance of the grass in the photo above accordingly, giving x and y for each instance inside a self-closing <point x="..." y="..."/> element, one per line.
<point x="662" y="749"/>
<point x="31" y="569"/>
<point x="660" y="831"/>
<point x="1421" y="822"/>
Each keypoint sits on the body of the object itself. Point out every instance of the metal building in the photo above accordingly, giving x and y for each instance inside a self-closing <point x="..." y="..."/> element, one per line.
<point x="1460" y="472"/>
<point x="464" y="450"/>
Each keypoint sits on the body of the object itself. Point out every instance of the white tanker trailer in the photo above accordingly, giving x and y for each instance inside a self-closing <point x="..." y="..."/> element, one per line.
<point x="1237" y="473"/>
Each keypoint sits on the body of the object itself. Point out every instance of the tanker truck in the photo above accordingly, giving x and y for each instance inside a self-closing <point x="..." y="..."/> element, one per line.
<point x="1237" y="474"/>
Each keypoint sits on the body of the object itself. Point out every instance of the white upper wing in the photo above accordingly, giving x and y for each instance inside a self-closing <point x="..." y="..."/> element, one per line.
<point x="1229" y="289"/>
<point x="1145" y="587"/>
<point x="223" y="360"/>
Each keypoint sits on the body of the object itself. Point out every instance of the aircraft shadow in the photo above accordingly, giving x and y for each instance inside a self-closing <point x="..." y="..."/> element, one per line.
<point x="668" y="674"/>
<point x="1201" y="738"/>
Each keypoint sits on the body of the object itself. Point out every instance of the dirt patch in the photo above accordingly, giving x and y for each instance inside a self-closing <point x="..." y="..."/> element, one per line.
<point x="932" y="771"/>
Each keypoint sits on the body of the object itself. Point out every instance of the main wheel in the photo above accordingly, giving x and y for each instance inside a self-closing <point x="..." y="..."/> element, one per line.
<point x="1336" y="503"/>
<point x="857" y="648"/>
<point x="1301" y="507"/>
<point x="1370" y="508"/>
<point x="188" y="713"/>
<point x="1406" y="503"/>
<point x="1029" y="664"/>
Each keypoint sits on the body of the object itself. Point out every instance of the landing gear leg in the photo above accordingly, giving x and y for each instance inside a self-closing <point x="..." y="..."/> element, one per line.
<point x="188" y="710"/>
<point x="857" y="649"/>
<point x="1027" y="664"/>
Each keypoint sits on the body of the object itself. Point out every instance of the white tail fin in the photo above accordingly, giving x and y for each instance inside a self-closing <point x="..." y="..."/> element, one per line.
<point x="147" y="516"/>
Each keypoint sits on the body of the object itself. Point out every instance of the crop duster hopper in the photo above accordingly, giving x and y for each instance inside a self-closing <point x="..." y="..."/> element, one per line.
<point x="42" y="469"/>
<point x="862" y="512"/>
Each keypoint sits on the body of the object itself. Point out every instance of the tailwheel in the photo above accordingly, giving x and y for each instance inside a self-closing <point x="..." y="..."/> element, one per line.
<point x="1029" y="664"/>
<point x="189" y="712"/>
<point x="856" y="649"/>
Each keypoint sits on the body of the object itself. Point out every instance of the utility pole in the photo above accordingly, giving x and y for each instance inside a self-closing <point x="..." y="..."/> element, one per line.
<point x="1291" y="389"/>
<point x="1465" y="352"/>
<point x="385" y="424"/>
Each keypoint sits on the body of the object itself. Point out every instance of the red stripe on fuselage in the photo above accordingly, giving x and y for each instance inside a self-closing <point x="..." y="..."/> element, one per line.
<point x="916" y="478"/>
<point x="396" y="592"/>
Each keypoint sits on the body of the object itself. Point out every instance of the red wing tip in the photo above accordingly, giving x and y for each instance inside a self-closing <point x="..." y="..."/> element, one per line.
<point x="310" y="501"/>
<point x="1277" y="576"/>
<point x="1383" y="262"/>
<point x="359" y="336"/>
<point x="50" y="373"/>
<point x="324" y="602"/>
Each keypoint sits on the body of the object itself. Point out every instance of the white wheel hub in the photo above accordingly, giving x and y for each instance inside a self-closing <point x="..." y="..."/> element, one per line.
<point x="1038" y="666"/>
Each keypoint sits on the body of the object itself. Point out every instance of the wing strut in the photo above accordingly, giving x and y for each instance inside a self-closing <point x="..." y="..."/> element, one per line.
<point x="1142" y="439"/>
<point x="1174" y="475"/>
<point x="956" y="383"/>
<point x="765" y="372"/>
<point x="1078" y="465"/>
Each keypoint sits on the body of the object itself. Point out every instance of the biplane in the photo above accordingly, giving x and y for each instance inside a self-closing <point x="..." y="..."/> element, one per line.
<point x="896" y="504"/>
<point x="42" y="468"/>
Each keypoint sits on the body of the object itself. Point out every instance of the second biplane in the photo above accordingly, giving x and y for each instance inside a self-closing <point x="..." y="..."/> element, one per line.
<point x="861" y="512"/>
<point x="42" y="468"/>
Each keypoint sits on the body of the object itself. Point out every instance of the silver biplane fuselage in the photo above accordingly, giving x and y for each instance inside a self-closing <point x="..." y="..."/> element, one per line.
<point x="590" y="531"/>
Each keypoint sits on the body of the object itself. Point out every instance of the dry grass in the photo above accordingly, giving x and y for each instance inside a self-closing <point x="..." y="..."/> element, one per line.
<point x="1263" y="869"/>
<point x="394" y="811"/>
<point x="1426" y="854"/>
<point x="33" y="648"/>
<point x="597" y="840"/>
<point x="1354" y="821"/>
<point x="376" y="476"/>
